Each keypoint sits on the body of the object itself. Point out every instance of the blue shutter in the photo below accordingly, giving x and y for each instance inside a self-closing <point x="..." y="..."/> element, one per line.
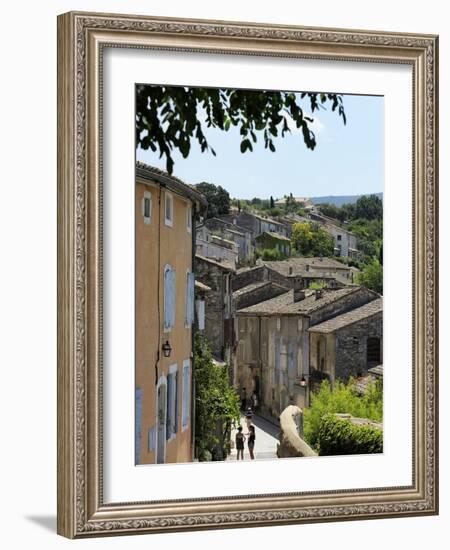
<point x="185" y="419"/>
<point x="138" y="426"/>
<point x="190" y="290"/>
<point x="175" y="420"/>
<point x="152" y="439"/>
<point x="169" y="297"/>
<point x="166" y="296"/>
<point x="172" y="301"/>
<point x="169" y="407"/>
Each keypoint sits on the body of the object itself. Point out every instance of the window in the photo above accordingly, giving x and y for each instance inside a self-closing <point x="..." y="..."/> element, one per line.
<point x="190" y="286"/>
<point x="189" y="218"/>
<point x="169" y="297"/>
<point x="339" y="237"/>
<point x="186" y="393"/>
<point x="200" y="307"/>
<point x="172" y="402"/>
<point x="147" y="207"/>
<point x="168" y="208"/>
<point x="373" y="350"/>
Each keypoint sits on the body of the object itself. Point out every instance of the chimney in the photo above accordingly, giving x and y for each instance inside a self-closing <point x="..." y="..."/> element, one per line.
<point x="307" y="267"/>
<point x="299" y="293"/>
<point x="318" y="293"/>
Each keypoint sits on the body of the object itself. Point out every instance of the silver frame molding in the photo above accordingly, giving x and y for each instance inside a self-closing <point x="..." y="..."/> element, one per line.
<point x="81" y="38"/>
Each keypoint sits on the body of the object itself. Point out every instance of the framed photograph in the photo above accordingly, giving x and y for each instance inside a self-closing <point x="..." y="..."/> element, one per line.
<point x="247" y="274"/>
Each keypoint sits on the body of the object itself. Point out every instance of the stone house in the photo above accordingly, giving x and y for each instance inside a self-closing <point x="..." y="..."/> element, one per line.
<point x="256" y="292"/>
<point x="216" y="247"/>
<point x="219" y="326"/>
<point x="269" y="240"/>
<point x="273" y="349"/>
<point x="284" y="275"/>
<point x="258" y="224"/>
<point x="240" y="235"/>
<point x="347" y="345"/>
<point x="345" y="242"/>
<point x="313" y="268"/>
<point x="165" y="212"/>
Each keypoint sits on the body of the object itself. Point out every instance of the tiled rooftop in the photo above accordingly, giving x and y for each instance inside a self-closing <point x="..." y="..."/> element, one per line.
<point x="285" y="305"/>
<point x="147" y="172"/>
<point x="223" y="264"/>
<point x="298" y="265"/>
<point x="255" y="286"/>
<point x="357" y="314"/>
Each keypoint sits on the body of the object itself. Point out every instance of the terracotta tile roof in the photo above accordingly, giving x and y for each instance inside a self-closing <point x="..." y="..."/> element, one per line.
<point x="353" y="316"/>
<point x="285" y="305"/>
<point x="152" y="173"/>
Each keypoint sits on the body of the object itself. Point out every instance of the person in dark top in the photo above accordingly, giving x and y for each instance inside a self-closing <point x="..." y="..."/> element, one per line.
<point x="249" y="416"/>
<point x="243" y="399"/>
<point x="240" y="438"/>
<point x="251" y="441"/>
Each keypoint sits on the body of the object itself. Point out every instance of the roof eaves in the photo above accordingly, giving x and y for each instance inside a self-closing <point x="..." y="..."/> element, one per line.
<point x="151" y="173"/>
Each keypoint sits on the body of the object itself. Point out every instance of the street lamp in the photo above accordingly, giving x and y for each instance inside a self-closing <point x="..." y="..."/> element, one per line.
<point x="166" y="348"/>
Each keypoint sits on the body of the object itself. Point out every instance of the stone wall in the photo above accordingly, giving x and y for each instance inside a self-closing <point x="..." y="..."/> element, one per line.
<point x="351" y="346"/>
<point x="346" y="303"/>
<point x="249" y="276"/>
<point x="213" y="276"/>
<point x="291" y="431"/>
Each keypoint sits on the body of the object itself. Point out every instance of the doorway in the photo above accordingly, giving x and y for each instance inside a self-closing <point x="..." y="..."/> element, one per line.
<point x="373" y="351"/>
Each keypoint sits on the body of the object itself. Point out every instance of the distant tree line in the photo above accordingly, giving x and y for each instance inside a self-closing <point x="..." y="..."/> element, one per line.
<point x="365" y="220"/>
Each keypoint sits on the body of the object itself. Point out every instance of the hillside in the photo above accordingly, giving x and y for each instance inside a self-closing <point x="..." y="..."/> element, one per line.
<point x="339" y="200"/>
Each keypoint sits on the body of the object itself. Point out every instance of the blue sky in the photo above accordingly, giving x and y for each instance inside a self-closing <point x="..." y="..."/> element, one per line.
<point x="348" y="159"/>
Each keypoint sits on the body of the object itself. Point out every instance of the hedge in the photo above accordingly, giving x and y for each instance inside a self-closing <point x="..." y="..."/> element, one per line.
<point x="340" y="437"/>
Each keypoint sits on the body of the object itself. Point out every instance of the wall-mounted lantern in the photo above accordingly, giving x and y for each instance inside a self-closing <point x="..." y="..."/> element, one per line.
<point x="166" y="349"/>
<point x="303" y="382"/>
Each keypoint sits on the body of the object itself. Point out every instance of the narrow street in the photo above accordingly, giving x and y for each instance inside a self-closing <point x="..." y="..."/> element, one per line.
<point x="266" y="439"/>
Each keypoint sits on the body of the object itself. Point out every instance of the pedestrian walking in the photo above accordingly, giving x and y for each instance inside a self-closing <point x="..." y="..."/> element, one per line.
<point x="251" y="441"/>
<point x="249" y="417"/>
<point x="254" y="401"/>
<point x="243" y="399"/>
<point x="240" y="439"/>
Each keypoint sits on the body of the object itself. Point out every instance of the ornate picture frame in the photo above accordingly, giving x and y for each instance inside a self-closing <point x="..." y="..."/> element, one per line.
<point x="82" y="38"/>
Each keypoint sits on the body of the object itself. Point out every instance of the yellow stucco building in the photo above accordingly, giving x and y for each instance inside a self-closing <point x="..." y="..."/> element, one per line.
<point x="165" y="210"/>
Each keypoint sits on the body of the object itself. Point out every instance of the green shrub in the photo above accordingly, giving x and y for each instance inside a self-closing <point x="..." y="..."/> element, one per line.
<point x="340" y="437"/>
<point x="216" y="404"/>
<point x="343" y="398"/>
